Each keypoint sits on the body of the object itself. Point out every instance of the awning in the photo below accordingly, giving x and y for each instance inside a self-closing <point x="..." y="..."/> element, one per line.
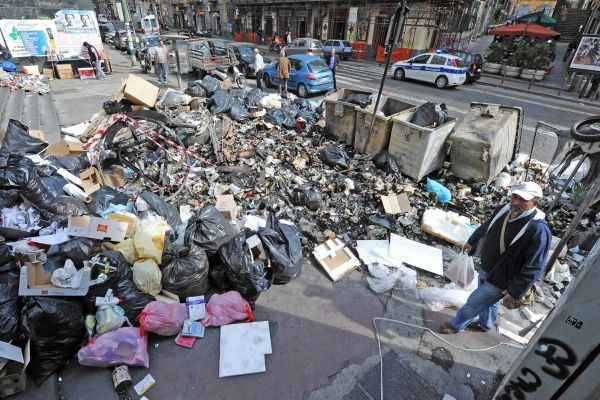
<point x="539" y="18"/>
<point x="528" y="30"/>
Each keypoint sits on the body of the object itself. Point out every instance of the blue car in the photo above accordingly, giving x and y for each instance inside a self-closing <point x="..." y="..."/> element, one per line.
<point x="343" y="48"/>
<point x="308" y="75"/>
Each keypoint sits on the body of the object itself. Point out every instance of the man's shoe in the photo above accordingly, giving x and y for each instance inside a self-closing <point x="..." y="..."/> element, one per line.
<point x="447" y="329"/>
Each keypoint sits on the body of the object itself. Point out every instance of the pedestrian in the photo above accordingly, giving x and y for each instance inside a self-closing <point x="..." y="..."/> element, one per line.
<point x="514" y="246"/>
<point x="259" y="67"/>
<point x="288" y="37"/>
<point x="309" y="52"/>
<point x="161" y="59"/>
<point x="332" y="63"/>
<point x="283" y="71"/>
<point x="95" y="59"/>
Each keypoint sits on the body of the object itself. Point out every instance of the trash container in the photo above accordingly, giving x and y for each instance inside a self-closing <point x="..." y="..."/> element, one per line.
<point x="484" y="141"/>
<point x="417" y="149"/>
<point x="380" y="137"/>
<point x="340" y="116"/>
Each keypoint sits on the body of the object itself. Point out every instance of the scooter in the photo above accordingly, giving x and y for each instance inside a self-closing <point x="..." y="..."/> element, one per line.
<point x="238" y="78"/>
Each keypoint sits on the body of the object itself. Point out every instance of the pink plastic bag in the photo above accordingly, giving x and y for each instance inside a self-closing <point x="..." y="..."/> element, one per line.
<point x="123" y="346"/>
<point x="163" y="318"/>
<point x="223" y="309"/>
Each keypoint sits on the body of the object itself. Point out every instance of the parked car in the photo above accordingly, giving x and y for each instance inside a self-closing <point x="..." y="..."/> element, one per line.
<point x="144" y="52"/>
<point x="472" y="62"/>
<point x="244" y="52"/>
<point x="308" y="75"/>
<point x="441" y="69"/>
<point x="121" y="41"/>
<point x="343" y="48"/>
<point x="107" y="32"/>
<point x="301" y="46"/>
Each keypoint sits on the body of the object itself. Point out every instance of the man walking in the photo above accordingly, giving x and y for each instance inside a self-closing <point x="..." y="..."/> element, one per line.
<point x="283" y="70"/>
<point x="259" y="66"/>
<point x="514" y="246"/>
<point x="332" y="62"/>
<point x="161" y="59"/>
<point x="95" y="59"/>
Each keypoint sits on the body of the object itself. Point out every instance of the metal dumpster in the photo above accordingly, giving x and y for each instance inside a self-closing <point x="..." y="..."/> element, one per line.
<point x="484" y="141"/>
<point x="340" y="116"/>
<point x="380" y="137"/>
<point x="418" y="150"/>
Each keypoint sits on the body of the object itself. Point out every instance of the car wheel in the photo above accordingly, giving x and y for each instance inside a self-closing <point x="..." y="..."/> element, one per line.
<point x="441" y="82"/>
<point x="268" y="82"/>
<point x="399" y="74"/>
<point x="302" y="90"/>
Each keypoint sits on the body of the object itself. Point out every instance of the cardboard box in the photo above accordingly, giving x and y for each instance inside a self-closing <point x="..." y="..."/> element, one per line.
<point x="65" y="148"/>
<point x="13" y="379"/>
<point x="49" y="73"/>
<point x="90" y="180"/>
<point x="38" y="134"/>
<point x="97" y="228"/>
<point x="49" y="289"/>
<point x="227" y="207"/>
<point x="140" y="91"/>
<point x="37" y="275"/>
<point x="31" y="69"/>
<point x="130" y="219"/>
<point x="86" y="73"/>
<point x="336" y="259"/>
<point x="64" y="71"/>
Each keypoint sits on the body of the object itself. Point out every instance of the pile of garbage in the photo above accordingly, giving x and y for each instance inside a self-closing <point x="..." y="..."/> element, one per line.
<point x="20" y="81"/>
<point x="173" y="213"/>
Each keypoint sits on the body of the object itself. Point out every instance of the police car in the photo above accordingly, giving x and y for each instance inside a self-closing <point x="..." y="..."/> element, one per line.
<point x="441" y="69"/>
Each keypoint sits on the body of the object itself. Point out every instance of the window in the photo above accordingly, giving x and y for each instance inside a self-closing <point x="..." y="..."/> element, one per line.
<point x="300" y="43"/>
<point x="438" y="60"/>
<point x="329" y="43"/>
<point x="347" y="44"/>
<point x="296" y="65"/>
<point x="455" y="62"/>
<point x="421" y="59"/>
<point x="316" y="44"/>
<point x="318" y="66"/>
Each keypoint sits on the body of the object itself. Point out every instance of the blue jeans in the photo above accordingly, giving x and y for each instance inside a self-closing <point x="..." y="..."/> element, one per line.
<point x="482" y="303"/>
<point x="161" y="72"/>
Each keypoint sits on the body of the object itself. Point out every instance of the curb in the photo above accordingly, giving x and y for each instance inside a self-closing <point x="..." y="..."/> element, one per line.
<point x="554" y="96"/>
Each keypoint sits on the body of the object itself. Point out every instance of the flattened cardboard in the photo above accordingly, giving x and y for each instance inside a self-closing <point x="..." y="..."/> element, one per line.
<point x="50" y="290"/>
<point x="396" y="204"/>
<point x="97" y="228"/>
<point x="130" y="219"/>
<point x="227" y="207"/>
<point x="140" y="91"/>
<point x="65" y="148"/>
<point x="91" y="180"/>
<point x="37" y="276"/>
<point x="336" y="259"/>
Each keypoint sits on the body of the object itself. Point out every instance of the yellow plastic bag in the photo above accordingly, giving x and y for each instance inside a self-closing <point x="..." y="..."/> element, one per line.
<point x="147" y="276"/>
<point x="149" y="238"/>
<point x="127" y="248"/>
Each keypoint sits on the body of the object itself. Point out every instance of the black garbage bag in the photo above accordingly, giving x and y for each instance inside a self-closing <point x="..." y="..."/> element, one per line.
<point x="9" y="198"/>
<point x="73" y="164"/>
<point x="104" y="197"/>
<point x="185" y="271"/>
<point x="285" y="117"/>
<point x="334" y="157"/>
<point x="77" y="249"/>
<point x="7" y="259"/>
<point x="114" y="107"/>
<point x="307" y="196"/>
<point x="210" y="84"/>
<point x="386" y="162"/>
<point x="195" y="89"/>
<point x="239" y="112"/>
<point x="246" y="275"/>
<point x="220" y="102"/>
<point x="254" y="97"/>
<point x="56" y="328"/>
<point x="9" y="304"/>
<point x="67" y="206"/>
<point x="218" y="277"/>
<point x="283" y="246"/>
<point x="120" y="280"/>
<point x="209" y="230"/>
<point x="162" y="208"/>
<point x="18" y="141"/>
<point x="173" y="98"/>
<point x="55" y="184"/>
<point x="360" y="99"/>
<point x="19" y="173"/>
<point x="425" y="115"/>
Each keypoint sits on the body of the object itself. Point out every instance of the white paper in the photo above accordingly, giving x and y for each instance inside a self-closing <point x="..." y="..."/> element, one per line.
<point x="60" y="237"/>
<point x="243" y="348"/>
<point x="416" y="254"/>
<point x="11" y="352"/>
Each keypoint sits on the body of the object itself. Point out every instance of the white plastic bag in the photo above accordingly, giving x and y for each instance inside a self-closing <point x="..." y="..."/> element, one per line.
<point x="109" y="317"/>
<point x="147" y="276"/>
<point x="382" y="278"/>
<point x="66" y="277"/>
<point x="461" y="270"/>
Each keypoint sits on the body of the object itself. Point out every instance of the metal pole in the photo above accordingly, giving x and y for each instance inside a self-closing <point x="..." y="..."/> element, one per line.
<point x="129" y="35"/>
<point x="400" y="12"/>
<point x="531" y="151"/>
<point x="562" y="190"/>
<point x="175" y="44"/>
<point x="589" y="198"/>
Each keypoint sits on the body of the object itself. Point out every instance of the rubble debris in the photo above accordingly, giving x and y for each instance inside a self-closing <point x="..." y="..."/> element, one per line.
<point x="17" y="81"/>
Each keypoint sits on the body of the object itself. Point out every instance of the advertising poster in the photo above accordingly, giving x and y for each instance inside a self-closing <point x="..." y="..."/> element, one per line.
<point x="29" y="37"/>
<point x="587" y="56"/>
<point x="75" y="27"/>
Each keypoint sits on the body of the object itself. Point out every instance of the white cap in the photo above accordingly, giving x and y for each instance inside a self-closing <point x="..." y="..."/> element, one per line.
<point x="527" y="190"/>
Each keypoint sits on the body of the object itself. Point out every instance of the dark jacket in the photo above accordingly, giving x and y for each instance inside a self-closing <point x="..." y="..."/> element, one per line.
<point x="94" y="53"/>
<point x="336" y="61"/>
<point x="526" y="251"/>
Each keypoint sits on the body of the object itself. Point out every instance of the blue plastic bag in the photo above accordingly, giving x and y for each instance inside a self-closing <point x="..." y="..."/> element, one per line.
<point x="442" y="193"/>
<point x="7" y="66"/>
